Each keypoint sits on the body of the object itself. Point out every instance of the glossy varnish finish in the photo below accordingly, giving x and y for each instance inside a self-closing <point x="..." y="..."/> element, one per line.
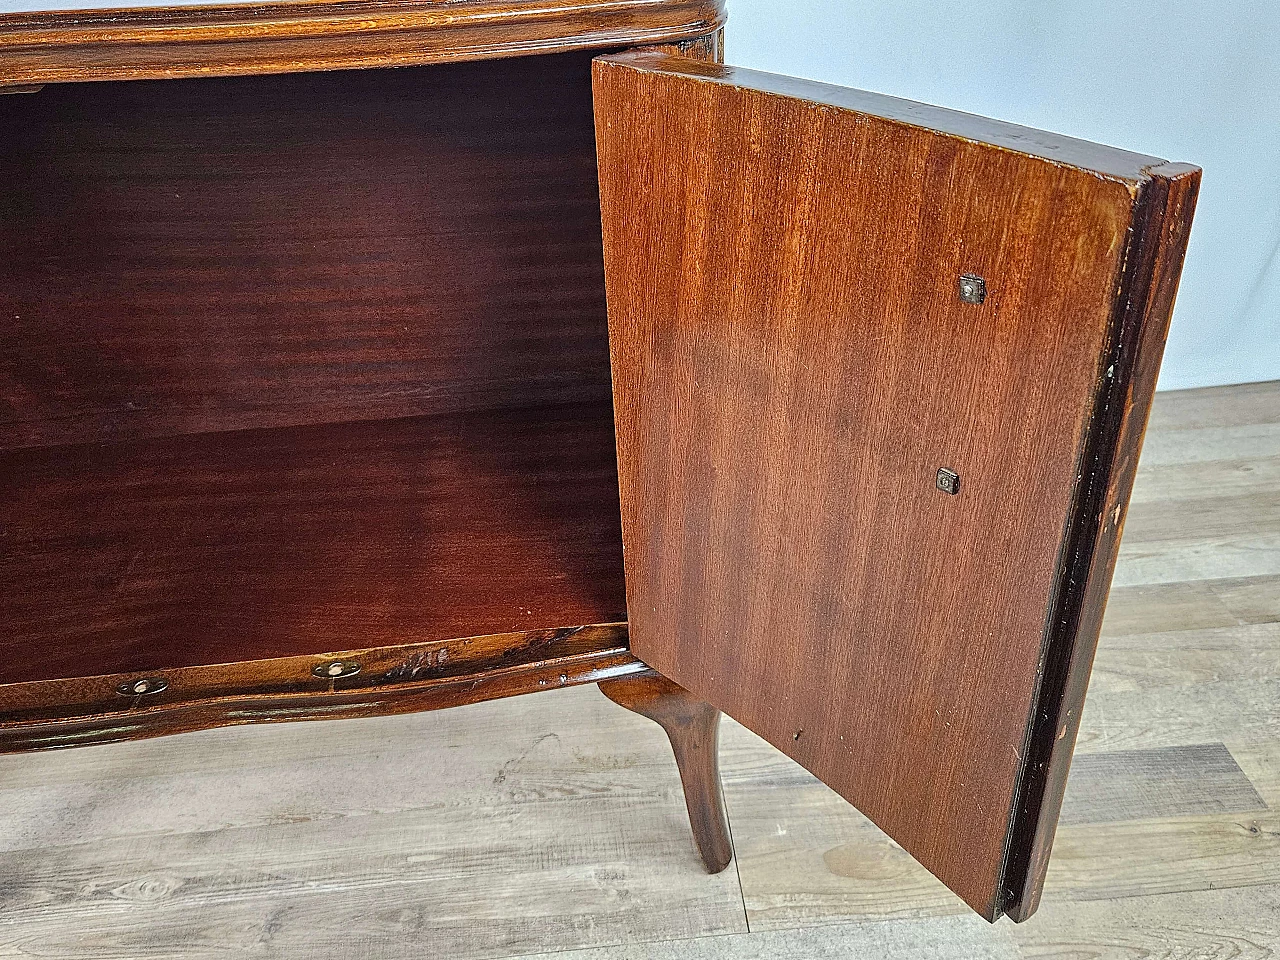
<point x="111" y="41"/>
<point x="298" y="369"/>
<point x="458" y="858"/>
<point x="792" y="366"/>
<point x="404" y="678"/>
<point x="251" y="545"/>
<point x="304" y="369"/>
<point x="205" y="255"/>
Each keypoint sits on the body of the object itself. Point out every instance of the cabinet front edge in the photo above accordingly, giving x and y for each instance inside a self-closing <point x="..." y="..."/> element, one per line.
<point x="49" y="714"/>
<point x="1161" y="224"/>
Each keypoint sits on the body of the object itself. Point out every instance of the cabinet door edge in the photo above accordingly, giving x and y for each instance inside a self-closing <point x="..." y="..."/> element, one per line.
<point x="1153" y="262"/>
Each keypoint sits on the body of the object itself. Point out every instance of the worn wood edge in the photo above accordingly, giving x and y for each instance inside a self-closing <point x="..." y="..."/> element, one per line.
<point x="708" y="48"/>
<point x="305" y="35"/>
<point x="1147" y="288"/>
<point x="197" y="698"/>
<point x="1097" y="160"/>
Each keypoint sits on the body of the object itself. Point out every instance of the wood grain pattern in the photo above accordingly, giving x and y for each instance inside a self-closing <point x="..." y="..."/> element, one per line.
<point x="693" y="727"/>
<point x="1171" y="675"/>
<point x="806" y="858"/>
<point x="395" y="680"/>
<point x="272" y="251"/>
<point x="709" y="48"/>
<point x="230" y="547"/>
<point x="108" y="41"/>
<point x="786" y="389"/>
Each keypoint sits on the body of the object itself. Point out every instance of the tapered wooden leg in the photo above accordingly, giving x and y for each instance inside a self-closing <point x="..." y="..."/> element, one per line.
<point x="693" y="727"/>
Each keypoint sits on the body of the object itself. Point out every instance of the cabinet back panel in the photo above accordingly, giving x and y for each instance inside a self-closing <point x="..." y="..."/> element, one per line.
<point x="210" y="255"/>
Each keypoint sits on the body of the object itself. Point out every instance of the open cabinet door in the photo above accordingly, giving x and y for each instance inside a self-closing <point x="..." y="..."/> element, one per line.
<point x="881" y="373"/>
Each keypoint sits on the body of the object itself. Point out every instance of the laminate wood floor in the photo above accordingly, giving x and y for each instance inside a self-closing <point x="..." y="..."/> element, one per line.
<point x="554" y="824"/>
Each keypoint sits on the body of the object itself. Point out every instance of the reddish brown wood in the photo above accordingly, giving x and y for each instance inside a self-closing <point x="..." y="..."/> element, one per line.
<point x="792" y="366"/>
<point x="259" y="252"/>
<point x="43" y="716"/>
<point x="1153" y="265"/>
<point x="107" y="40"/>
<point x="693" y="727"/>
<point x="252" y="545"/>
<point x="709" y="48"/>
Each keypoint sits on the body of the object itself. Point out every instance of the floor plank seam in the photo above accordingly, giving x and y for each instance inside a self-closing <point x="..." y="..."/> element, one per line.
<point x="728" y="819"/>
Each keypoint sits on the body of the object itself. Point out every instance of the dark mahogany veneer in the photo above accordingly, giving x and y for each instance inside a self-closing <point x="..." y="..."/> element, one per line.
<point x="311" y="405"/>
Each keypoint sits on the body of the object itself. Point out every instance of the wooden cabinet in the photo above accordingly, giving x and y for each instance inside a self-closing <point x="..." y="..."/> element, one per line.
<point x="336" y="392"/>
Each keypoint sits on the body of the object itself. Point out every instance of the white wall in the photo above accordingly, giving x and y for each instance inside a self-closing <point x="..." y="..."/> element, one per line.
<point x="1183" y="80"/>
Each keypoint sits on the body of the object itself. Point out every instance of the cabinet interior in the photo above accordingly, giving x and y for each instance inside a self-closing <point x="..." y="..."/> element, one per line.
<point x="294" y="364"/>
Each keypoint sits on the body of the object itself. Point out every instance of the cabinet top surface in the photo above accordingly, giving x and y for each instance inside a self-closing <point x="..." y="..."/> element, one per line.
<point x="54" y="41"/>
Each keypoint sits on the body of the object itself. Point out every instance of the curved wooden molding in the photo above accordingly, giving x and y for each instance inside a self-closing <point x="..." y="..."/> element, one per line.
<point x="69" y="713"/>
<point x="231" y="39"/>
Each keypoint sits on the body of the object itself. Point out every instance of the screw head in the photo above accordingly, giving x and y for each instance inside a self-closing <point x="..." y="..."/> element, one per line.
<point x="336" y="668"/>
<point x="142" y="686"/>
<point x="973" y="289"/>
<point x="948" y="481"/>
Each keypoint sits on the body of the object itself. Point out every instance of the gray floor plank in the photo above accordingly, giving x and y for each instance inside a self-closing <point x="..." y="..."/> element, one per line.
<point x="1215" y="407"/>
<point x="1250" y="599"/>
<point x="1203" y="925"/>
<point x="1248" y="653"/>
<point x="554" y="820"/>
<point x="939" y="938"/>
<point x="1147" y="608"/>
<point x="1160" y="783"/>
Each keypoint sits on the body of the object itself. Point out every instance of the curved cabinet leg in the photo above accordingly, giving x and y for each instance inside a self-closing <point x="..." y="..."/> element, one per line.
<point x="693" y="727"/>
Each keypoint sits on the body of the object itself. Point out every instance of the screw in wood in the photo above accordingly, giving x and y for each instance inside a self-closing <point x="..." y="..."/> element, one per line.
<point x="336" y="668"/>
<point x="948" y="481"/>
<point x="973" y="289"/>
<point x="141" y="686"/>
